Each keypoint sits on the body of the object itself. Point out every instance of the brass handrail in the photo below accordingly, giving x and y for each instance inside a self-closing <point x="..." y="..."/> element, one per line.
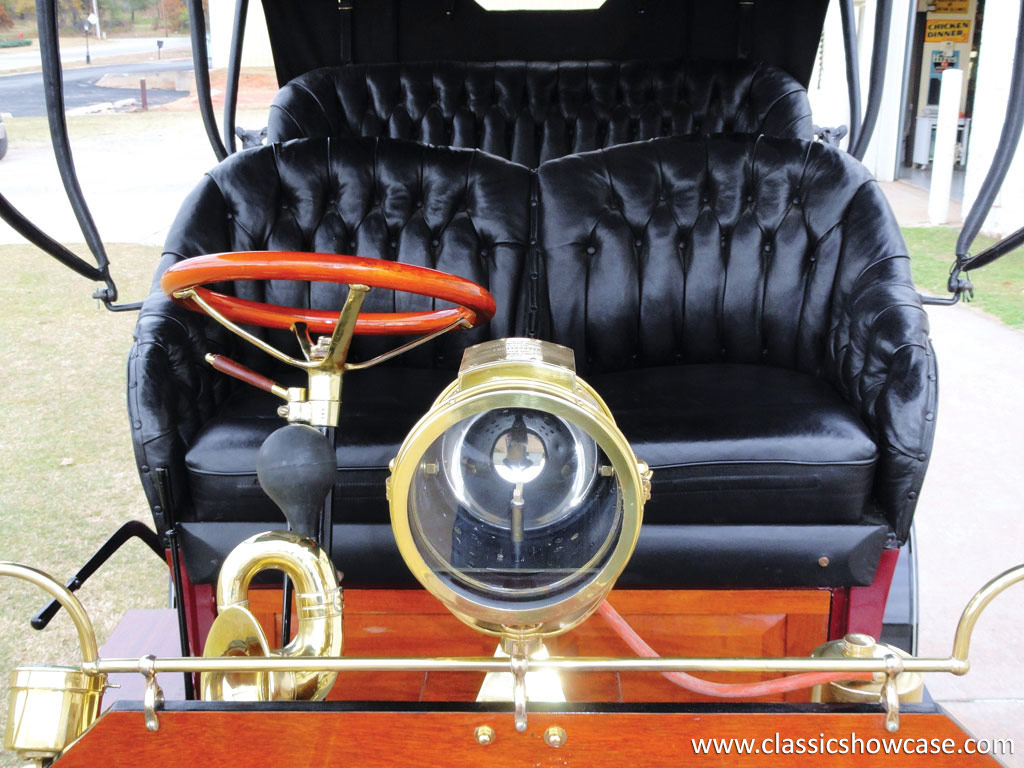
<point x="64" y="596"/>
<point x="783" y="665"/>
<point x="984" y="596"/>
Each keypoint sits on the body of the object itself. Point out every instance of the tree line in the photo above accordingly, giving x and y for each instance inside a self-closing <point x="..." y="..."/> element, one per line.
<point x="164" y="16"/>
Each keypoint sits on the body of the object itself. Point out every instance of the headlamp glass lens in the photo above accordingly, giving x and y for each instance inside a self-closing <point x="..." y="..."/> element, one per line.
<point x="515" y="504"/>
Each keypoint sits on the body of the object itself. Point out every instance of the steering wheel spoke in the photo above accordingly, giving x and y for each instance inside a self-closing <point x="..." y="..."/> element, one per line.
<point x="326" y="358"/>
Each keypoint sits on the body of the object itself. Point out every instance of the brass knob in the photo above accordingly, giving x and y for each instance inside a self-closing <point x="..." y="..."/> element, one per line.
<point x="484" y="735"/>
<point x="555" y="736"/>
<point x="858" y="646"/>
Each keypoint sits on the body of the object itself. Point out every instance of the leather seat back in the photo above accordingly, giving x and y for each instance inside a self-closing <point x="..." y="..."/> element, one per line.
<point x="735" y="250"/>
<point x="530" y="112"/>
<point x="459" y="212"/>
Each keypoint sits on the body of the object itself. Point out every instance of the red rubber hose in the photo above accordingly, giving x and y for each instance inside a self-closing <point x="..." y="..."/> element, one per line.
<point x="721" y="690"/>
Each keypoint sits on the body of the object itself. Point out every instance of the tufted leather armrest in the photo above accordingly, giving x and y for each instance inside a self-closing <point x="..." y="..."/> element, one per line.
<point x="171" y="390"/>
<point x="530" y="112"/>
<point x="880" y="357"/>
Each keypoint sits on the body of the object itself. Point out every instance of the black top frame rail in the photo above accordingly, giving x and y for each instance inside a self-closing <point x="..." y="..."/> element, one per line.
<point x="852" y="68"/>
<point x="201" y="64"/>
<point x="876" y="81"/>
<point x="53" y="89"/>
<point x="1006" y="148"/>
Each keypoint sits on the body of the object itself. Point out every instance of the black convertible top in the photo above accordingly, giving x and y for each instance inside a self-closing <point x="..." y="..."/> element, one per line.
<point x="316" y="33"/>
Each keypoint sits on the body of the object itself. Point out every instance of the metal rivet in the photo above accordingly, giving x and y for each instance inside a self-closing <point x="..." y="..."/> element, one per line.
<point x="929" y="416"/>
<point x="922" y="457"/>
<point x="591" y="250"/>
<point x="823" y="561"/>
<point x="555" y="736"/>
<point x="144" y="467"/>
<point x="912" y="495"/>
<point x="484" y="735"/>
<point x="137" y="425"/>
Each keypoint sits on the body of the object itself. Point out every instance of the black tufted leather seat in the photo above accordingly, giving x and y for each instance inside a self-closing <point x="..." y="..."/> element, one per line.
<point x="744" y="306"/>
<point x="530" y="112"/>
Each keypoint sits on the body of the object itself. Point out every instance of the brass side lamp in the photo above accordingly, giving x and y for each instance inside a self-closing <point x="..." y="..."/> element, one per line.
<point x="50" y="706"/>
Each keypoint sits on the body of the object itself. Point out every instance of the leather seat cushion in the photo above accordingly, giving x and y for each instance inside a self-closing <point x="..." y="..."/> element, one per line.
<point x="743" y="444"/>
<point x="379" y="408"/>
<point x="729" y="444"/>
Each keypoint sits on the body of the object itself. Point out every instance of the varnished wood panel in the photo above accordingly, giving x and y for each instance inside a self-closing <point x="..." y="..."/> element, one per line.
<point x="675" y="623"/>
<point x="595" y="740"/>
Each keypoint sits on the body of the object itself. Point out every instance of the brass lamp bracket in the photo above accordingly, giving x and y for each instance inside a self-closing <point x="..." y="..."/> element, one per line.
<point x="153" y="699"/>
<point x="324" y="359"/>
<point x="890" y="693"/>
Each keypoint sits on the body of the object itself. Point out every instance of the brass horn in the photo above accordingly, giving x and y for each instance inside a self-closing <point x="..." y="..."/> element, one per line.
<point x="236" y="632"/>
<point x="296" y="468"/>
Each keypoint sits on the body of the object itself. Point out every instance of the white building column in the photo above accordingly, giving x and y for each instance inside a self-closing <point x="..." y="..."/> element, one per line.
<point x="256" y="50"/>
<point x="884" y="152"/>
<point x="998" y="36"/>
<point x="828" y="92"/>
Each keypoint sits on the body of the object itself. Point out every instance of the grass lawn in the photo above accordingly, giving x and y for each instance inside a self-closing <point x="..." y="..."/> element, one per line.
<point x="998" y="288"/>
<point x="160" y="124"/>
<point x="67" y="474"/>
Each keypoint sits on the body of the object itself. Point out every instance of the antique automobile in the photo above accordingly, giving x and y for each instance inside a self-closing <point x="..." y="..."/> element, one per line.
<point x="660" y="370"/>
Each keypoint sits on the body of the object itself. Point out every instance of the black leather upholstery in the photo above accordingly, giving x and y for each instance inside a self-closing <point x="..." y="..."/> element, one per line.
<point x="457" y="211"/>
<point x="530" y="112"/>
<point x="744" y="305"/>
<point x="743" y="444"/>
<point x="746" y="251"/>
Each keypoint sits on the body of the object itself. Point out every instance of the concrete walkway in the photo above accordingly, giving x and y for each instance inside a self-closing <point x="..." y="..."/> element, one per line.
<point x="970" y="520"/>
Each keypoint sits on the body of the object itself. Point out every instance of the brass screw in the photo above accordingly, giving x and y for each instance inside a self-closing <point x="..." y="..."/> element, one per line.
<point x="554" y="736"/>
<point x="823" y="561"/>
<point x="484" y="735"/>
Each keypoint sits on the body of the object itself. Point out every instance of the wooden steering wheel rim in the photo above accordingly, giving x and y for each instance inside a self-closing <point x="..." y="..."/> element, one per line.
<point x="474" y="303"/>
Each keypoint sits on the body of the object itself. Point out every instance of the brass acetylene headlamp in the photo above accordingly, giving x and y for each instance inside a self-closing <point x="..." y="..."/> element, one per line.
<point x="516" y="500"/>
